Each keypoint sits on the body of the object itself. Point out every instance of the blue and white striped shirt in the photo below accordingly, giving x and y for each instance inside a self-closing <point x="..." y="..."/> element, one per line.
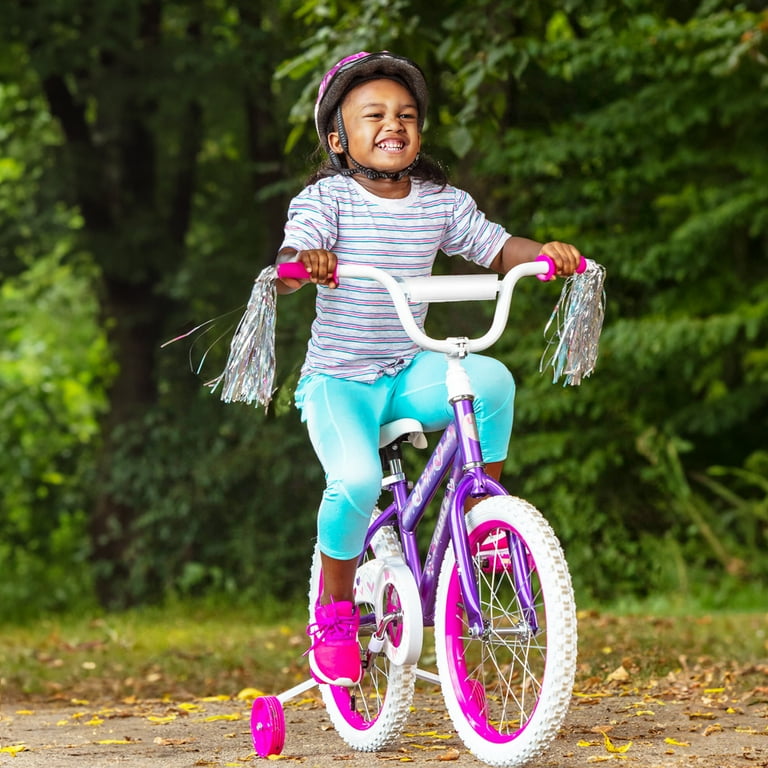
<point x="356" y="333"/>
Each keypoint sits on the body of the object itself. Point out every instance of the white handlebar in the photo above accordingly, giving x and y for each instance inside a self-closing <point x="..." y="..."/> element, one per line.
<point x="449" y="288"/>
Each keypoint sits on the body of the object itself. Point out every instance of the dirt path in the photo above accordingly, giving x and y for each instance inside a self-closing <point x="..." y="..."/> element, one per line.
<point x="677" y="726"/>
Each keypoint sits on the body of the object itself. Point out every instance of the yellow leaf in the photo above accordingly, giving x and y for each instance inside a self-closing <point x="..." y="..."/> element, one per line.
<point x="114" y="741"/>
<point x="214" y="718"/>
<point x="80" y="702"/>
<point x="94" y="721"/>
<point x="63" y="722"/>
<point x="157" y="720"/>
<point x="702" y="715"/>
<point x="188" y="706"/>
<point x="14" y="749"/>
<point x="25" y="712"/>
<point x="714" y="690"/>
<point x="585" y="743"/>
<point x="645" y="712"/>
<point x="220" y="697"/>
<point x="250" y="693"/>
<point x="611" y="747"/>
<point x="275" y="757"/>
<point x="676" y="743"/>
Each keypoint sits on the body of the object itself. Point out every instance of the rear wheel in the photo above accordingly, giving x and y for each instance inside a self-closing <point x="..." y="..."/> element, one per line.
<point x="370" y="715"/>
<point x="508" y="690"/>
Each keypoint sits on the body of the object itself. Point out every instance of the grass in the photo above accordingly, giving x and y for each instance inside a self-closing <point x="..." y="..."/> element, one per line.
<point x="188" y="650"/>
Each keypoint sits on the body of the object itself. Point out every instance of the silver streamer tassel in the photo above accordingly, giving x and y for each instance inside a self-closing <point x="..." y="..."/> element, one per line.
<point x="249" y="373"/>
<point x="573" y="330"/>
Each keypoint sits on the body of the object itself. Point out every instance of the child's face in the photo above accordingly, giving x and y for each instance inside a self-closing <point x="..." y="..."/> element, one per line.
<point x="381" y="120"/>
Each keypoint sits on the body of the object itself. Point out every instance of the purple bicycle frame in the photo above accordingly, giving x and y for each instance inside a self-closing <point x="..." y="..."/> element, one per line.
<point x="458" y="452"/>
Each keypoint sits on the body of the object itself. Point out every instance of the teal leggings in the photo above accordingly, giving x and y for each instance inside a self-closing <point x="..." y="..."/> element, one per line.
<point x="343" y="419"/>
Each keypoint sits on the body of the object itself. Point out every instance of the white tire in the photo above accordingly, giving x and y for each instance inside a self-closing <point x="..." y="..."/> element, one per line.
<point x="508" y="691"/>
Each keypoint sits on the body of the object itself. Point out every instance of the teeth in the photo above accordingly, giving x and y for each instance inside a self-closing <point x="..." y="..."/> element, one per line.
<point x="391" y="145"/>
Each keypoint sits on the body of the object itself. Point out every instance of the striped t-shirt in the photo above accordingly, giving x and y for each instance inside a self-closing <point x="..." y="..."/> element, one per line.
<point x="356" y="333"/>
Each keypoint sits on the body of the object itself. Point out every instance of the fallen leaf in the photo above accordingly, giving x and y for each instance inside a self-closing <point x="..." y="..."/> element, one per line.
<point x="158" y="720"/>
<point x="611" y="747"/>
<point x="214" y="718"/>
<point x="676" y="743"/>
<point x="619" y="675"/>
<point x="451" y="754"/>
<point x="250" y="693"/>
<point x="114" y="741"/>
<point x="14" y="749"/>
<point x="173" y="742"/>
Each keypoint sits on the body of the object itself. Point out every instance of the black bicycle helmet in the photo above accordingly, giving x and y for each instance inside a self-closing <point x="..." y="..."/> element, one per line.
<point x="354" y="70"/>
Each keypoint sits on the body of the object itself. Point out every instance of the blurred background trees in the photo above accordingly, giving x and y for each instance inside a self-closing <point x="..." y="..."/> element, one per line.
<point x="148" y="151"/>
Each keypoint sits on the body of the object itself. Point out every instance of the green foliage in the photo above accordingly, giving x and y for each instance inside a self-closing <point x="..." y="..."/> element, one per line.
<point x="164" y="150"/>
<point x="223" y="505"/>
<point x="53" y="364"/>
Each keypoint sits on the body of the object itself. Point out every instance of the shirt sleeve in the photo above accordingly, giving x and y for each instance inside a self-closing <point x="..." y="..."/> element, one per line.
<point x="312" y="220"/>
<point x="471" y="235"/>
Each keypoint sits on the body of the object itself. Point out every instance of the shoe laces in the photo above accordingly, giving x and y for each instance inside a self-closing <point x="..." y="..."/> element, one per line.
<point x="329" y="626"/>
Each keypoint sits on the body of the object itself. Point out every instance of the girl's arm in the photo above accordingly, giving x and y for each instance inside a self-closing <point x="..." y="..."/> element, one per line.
<point x="517" y="250"/>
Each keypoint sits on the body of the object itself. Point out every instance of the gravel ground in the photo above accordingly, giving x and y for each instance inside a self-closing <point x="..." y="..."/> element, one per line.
<point x="677" y="726"/>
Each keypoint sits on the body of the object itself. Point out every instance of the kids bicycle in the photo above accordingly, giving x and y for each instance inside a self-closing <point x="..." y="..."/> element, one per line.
<point x="493" y="583"/>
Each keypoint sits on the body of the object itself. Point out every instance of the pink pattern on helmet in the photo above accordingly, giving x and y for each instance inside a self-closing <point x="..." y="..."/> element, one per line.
<point x="334" y="69"/>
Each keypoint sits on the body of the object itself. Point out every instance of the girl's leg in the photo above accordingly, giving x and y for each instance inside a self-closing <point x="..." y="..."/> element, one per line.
<point x="420" y="393"/>
<point x="338" y="579"/>
<point x="343" y="422"/>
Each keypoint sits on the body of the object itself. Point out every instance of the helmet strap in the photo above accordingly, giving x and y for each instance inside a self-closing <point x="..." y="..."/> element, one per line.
<point x="369" y="173"/>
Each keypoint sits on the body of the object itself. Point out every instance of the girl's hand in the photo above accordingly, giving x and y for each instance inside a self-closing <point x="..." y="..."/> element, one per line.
<point x="321" y="266"/>
<point x="566" y="257"/>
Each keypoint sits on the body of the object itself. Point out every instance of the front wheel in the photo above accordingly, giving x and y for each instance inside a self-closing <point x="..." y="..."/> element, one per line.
<point x="508" y="690"/>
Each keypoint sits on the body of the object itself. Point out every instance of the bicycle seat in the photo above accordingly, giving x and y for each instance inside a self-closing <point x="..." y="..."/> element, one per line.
<point x="411" y="429"/>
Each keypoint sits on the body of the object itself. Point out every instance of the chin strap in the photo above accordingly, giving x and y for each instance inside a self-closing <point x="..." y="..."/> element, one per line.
<point x="369" y="173"/>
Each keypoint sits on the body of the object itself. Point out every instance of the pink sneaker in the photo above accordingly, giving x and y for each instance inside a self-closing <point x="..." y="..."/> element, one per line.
<point x="334" y="656"/>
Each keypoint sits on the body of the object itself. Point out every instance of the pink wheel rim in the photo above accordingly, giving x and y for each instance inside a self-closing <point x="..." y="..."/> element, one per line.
<point x="267" y="726"/>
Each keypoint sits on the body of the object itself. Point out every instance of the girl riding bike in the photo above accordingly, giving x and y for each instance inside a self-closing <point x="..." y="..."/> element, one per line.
<point x="377" y="201"/>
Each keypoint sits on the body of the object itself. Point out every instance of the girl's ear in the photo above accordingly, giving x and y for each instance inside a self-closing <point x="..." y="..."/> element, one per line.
<point x="334" y="142"/>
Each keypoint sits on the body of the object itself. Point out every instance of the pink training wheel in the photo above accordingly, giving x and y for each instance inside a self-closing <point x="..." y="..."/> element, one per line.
<point x="267" y="726"/>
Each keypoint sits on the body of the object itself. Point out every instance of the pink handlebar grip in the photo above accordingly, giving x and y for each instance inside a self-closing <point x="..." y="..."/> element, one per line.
<point x="550" y="273"/>
<point x="295" y="270"/>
